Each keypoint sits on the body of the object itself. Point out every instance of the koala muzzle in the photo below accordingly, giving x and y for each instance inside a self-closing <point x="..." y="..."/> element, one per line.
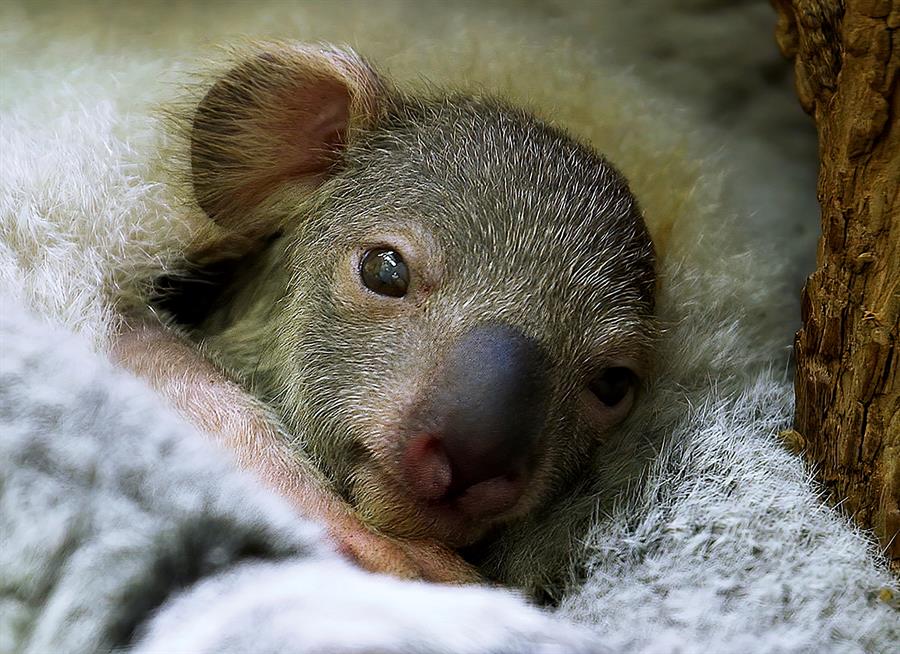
<point x="484" y="414"/>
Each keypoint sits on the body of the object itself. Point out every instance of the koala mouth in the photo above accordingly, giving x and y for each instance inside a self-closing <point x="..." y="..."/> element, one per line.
<point x="475" y="489"/>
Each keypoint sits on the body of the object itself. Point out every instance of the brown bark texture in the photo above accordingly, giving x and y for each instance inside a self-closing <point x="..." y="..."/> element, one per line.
<point x="847" y="55"/>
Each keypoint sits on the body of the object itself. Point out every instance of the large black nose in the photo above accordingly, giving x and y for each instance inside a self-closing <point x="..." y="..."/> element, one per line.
<point x="490" y="402"/>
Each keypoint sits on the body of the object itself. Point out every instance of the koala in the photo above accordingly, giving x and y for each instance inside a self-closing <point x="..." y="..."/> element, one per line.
<point x="678" y="523"/>
<point x="446" y="301"/>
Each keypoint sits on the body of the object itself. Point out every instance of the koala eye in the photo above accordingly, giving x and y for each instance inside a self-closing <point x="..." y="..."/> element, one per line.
<point x="612" y="385"/>
<point x="384" y="272"/>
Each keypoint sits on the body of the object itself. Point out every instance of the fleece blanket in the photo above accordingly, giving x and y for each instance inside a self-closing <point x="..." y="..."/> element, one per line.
<point x="122" y="528"/>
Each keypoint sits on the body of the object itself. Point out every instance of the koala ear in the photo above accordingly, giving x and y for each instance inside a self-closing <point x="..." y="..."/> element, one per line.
<point x="283" y="113"/>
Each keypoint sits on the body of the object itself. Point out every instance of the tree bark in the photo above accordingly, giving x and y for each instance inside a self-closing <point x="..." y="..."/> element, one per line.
<point x="847" y="421"/>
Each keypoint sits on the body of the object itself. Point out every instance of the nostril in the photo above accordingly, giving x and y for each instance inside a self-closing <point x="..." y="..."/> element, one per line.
<point x="435" y="480"/>
<point x="428" y="469"/>
<point x="477" y="457"/>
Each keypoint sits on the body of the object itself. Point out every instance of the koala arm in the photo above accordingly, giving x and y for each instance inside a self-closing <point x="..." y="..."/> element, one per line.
<point x="234" y="419"/>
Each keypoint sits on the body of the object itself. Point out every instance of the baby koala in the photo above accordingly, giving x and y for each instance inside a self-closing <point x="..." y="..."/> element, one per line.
<point x="446" y="302"/>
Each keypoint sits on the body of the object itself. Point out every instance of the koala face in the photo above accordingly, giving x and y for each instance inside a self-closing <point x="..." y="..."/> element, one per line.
<point x="468" y="312"/>
<point x="457" y="309"/>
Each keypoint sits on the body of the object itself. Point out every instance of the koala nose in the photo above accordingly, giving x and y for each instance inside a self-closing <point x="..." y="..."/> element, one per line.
<point x="489" y="404"/>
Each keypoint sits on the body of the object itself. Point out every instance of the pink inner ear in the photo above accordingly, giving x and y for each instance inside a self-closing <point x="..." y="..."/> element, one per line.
<point x="282" y="116"/>
<point x="309" y="134"/>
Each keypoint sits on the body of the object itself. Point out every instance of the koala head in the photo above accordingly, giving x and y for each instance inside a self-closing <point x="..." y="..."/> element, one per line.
<point x="449" y="302"/>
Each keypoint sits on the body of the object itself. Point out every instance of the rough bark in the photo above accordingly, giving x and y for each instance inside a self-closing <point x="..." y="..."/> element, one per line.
<point x="847" y="421"/>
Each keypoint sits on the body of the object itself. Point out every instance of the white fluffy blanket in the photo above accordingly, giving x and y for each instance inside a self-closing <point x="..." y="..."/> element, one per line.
<point x="122" y="528"/>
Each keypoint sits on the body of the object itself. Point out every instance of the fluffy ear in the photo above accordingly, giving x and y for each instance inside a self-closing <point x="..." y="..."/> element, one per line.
<point x="283" y="113"/>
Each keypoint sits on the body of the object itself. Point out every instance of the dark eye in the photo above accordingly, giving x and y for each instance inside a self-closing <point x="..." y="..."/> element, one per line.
<point x="384" y="272"/>
<point x="612" y="385"/>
